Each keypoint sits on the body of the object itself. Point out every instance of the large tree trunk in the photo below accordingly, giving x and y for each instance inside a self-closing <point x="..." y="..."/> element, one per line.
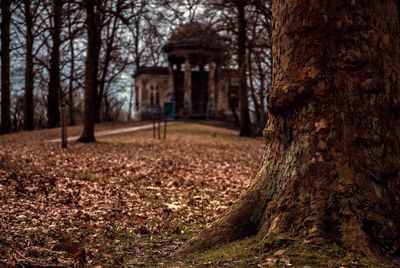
<point x="91" y="68"/>
<point x="29" y="74"/>
<point x="330" y="172"/>
<point x="53" y="97"/>
<point x="245" y="124"/>
<point x="5" y="66"/>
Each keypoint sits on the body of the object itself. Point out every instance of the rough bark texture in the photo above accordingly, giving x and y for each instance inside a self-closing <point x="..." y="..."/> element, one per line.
<point x="5" y="66"/>
<point x="91" y="68"/>
<point x="29" y="74"/>
<point x="53" y="97"/>
<point x="330" y="173"/>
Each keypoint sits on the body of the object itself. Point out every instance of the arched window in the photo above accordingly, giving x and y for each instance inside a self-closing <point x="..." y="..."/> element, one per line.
<point x="155" y="95"/>
<point x="137" y="104"/>
<point x="152" y="95"/>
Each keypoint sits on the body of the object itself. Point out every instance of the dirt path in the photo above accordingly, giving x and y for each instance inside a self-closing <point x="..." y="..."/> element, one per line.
<point x="114" y="131"/>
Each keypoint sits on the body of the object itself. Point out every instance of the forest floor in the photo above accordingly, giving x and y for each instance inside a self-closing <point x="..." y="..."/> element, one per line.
<point x="127" y="200"/>
<point x="130" y="200"/>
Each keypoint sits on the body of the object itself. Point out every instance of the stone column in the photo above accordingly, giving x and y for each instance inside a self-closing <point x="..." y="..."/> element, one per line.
<point x="212" y="88"/>
<point x="187" y="87"/>
<point x="171" y="86"/>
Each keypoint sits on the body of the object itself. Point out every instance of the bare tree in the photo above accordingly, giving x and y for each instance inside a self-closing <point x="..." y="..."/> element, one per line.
<point x="110" y="35"/>
<point x="244" y="26"/>
<point x="91" y="69"/>
<point x="53" y="98"/>
<point x="72" y="56"/>
<point x="5" y="6"/>
<point x="29" y="14"/>
<point x="245" y="124"/>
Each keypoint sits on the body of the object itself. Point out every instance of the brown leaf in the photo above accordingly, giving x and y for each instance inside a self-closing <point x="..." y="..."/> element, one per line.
<point x="177" y="230"/>
<point x="280" y="252"/>
<point x="143" y="230"/>
<point x="270" y="262"/>
<point x="79" y="255"/>
<point x="7" y="264"/>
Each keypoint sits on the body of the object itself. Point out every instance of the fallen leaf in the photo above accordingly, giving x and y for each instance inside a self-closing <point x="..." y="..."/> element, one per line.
<point x="280" y="252"/>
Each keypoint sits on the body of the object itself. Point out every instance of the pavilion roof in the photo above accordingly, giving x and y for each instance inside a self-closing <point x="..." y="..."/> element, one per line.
<point x="196" y="41"/>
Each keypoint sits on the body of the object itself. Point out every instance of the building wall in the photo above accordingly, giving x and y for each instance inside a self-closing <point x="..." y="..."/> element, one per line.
<point x="145" y="82"/>
<point x="225" y="86"/>
<point x="146" y="86"/>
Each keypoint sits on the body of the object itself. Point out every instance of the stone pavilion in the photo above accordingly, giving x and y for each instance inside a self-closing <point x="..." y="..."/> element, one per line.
<point x="194" y="80"/>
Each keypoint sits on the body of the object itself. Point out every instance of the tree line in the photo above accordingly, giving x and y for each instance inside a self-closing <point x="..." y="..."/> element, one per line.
<point x="75" y="59"/>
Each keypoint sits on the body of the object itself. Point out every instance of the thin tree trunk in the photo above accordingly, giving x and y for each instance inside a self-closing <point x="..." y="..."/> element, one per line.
<point x="252" y="88"/>
<point x="107" y="110"/>
<point x="92" y="60"/>
<point x="333" y="136"/>
<point x="130" y="106"/>
<point x="245" y="125"/>
<point x="104" y="72"/>
<point x="71" y="107"/>
<point x="5" y="66"/>
<point x="137" y="41"/>
<point x="262" y="96"/>
<point x="53" y="97"/>
<point x="136" y="38"/>
<point x="29" y="74"/>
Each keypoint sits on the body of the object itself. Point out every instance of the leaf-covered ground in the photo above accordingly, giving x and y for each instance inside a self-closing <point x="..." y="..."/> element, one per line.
<point x="127" y="200"/>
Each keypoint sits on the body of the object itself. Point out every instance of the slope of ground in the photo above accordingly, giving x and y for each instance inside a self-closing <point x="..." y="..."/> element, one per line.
<point x="127" y="200"/>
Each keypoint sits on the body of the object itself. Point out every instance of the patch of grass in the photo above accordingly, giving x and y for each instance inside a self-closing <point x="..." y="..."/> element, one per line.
<point x="240" y="254"/>
<point x="329" y="256"/>
<point x="180" y="132"/>
<point x="86" y="176"/>
<point x="8" y="166"/>
<point x="253" y="252"/>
